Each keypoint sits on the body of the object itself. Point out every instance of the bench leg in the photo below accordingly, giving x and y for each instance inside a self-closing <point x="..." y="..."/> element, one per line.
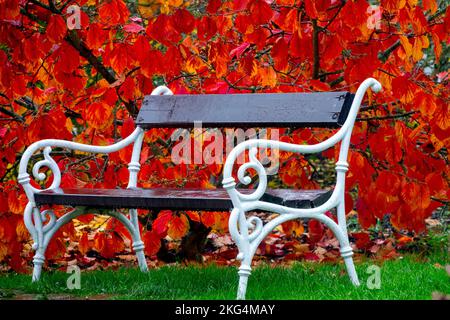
<point x="346" y="249"/>
<point x="239" y="232"/>
<point x="347" y="254"/>
<point x="38" y="261"/>
<point x="34" y="223"/>
<point x="138" y="245"/>
<point x="244" y="272"/>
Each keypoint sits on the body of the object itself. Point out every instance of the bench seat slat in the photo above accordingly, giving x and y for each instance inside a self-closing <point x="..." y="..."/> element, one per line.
<point x="317" y="109"/>
<point x="175" y="199"/>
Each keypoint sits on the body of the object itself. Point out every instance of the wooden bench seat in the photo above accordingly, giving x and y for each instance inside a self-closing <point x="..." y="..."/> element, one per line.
<point x="175" y="199"/>
<point x="246" y="110"/>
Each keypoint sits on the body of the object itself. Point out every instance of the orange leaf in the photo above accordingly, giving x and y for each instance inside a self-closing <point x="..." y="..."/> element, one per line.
<point x="208" y="218"/>
<point x="99" y="241"/>
<point x="417" y="196"/>
<point x="406" y="45"/>
<point x="56" y="249"/>
<point x="83" y="244"/>
<point x="193" y="215"/>
<point x="178" y="227"/>
<point x="16" y="202"/>
<point x="293" y="228"/>
<point x="99" y="115"/>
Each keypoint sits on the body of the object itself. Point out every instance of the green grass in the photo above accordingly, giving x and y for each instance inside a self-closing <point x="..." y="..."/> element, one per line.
<point x="411" y="277"/>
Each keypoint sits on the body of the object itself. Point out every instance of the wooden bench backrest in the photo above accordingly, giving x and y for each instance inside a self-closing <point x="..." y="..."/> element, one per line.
<point x="319" y="109"/>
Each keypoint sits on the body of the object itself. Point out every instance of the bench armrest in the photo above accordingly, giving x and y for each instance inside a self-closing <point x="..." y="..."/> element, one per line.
<point x="47" y="144"/>
<point x="252" y="145"/>
<point x="48" y="161"/>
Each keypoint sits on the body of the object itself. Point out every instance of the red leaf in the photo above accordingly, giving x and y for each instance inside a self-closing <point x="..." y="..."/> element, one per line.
<point x="213" y="6"/>
<point x="96" y="36"/>
<point x="315" y="230"/>
<point x="127" y="127"/>
<point x="56" y="28"/>
<point x="260" y="12"/>
<point x="280" y="54"/>
<point x="416" y="195"/>
<point x="163" y="30"/>
<point x="258" y="37"/>
<point x="310" y="256"/>
<point x="193" y="215"/>
<point x="388" y="182"/>
<point x="362" y="240"/>
<point x="161" y="223"/>
<point x="206" y="28"/>
<point x="348" y="203"/>
<point x="208" y="218"/>
<point x="16" y="202"/>
<point x="68" y="59"/>
<point x="113" y="12"/>
<point x="184" y="21"/>
<point x="365" y="215"/>
<point x="56" y="249"/>
<point x="238" y="51"/>
<point x="152" y="242"/>
<point x="3" y="132"/>
<point x="293" y="228"/>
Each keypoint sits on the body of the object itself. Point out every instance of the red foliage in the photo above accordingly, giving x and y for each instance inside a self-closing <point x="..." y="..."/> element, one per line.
<point x="82" y="85"/>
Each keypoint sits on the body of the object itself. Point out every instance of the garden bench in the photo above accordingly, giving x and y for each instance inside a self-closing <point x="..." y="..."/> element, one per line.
<point x="162" y="109"/>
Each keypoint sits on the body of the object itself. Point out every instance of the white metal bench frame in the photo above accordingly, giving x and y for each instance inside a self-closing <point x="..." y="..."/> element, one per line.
<point x="246" y="232"/>
<point x="239" y="224"/>
<point x="42" y="228"/>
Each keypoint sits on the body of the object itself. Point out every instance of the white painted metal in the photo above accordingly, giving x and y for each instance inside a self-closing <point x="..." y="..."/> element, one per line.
<point x="43" y="225"/>
<point x="249" y="232"/>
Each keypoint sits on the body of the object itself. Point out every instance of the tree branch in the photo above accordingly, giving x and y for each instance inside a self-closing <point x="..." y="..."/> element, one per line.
<point x="385" y="54"/>
<point x="12" y="114"/>
<point x="392" y="116"/>
<point x="315" y="43"/>
<point x="74" y="40"/>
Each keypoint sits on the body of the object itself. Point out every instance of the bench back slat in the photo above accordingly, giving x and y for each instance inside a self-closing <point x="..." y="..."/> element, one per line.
<point x="318" y="109"/>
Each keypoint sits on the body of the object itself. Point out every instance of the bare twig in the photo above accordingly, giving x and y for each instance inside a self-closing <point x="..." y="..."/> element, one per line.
<point x="315" y="43"/>
<point x="392" y="116"/>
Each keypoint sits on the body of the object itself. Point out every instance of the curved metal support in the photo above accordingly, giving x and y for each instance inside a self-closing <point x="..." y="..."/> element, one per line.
<point x="239" y="225"/>
<point x="344" y="133"/>
<point x="24" y="177"/>
<point x="52" y="226"/>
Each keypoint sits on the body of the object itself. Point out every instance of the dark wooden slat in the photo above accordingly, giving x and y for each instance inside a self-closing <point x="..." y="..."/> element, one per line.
<point x="318" y="109"/>
<point x="176" y="199"/>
